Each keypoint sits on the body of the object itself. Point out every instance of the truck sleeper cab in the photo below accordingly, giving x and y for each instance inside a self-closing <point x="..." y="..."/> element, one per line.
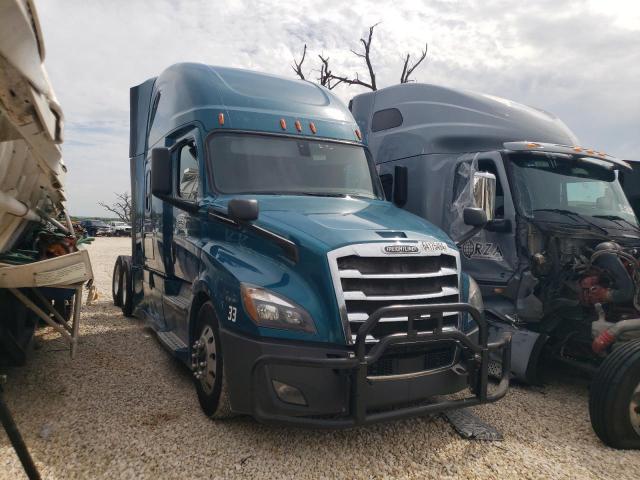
<point x="266" y="258"/>
<point x="558" y="263"/>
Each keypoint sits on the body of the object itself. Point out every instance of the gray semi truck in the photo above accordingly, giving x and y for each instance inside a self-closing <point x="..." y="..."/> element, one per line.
<point x="558" y="262"/>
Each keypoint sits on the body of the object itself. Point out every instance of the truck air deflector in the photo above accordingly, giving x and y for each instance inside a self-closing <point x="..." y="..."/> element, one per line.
<point x="356" y="367"/>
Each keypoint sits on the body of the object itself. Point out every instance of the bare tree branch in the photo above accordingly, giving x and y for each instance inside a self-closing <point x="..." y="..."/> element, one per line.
<point x="297" y="66"/>
<point x="121" y="208"/>
<point x="406" y="70"/>
<point x="366" y="43"/>
<point x="326" y="78"/>
<point x="331" y="80"/>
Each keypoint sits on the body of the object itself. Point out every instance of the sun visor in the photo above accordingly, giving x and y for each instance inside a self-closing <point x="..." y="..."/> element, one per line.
<point x="574" y="152"/>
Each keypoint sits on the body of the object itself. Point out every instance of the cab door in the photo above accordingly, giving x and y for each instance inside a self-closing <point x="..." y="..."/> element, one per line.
<point x="491" y="256"/>
<point x="182" y="263"/>
<point x="186" y="223"/>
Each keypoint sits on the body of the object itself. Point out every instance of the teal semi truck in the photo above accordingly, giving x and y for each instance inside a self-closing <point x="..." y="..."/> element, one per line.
<point x="265" y="257"/>
<point x="558" y="263"/>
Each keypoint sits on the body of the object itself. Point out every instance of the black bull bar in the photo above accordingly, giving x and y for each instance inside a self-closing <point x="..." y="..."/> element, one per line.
<point x="357" y="365"/>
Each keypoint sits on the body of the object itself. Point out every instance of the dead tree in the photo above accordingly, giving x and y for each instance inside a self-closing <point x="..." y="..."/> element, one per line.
<point x="297" y="66"/>
<point x="366" y="55"/>
<point x="326" y="78"/>
<point x="408" y="70"/>
<point x="330" y="80"/>
<point x="121" y="208"/>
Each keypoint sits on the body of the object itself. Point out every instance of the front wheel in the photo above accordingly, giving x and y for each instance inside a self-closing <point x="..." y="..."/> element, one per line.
<point x="614" y="404"/>
<point x="208" y="365"/>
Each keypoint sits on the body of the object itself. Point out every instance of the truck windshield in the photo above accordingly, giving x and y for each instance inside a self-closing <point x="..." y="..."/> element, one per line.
<point x="547" y="184"/>
<point x="261" y="164"/>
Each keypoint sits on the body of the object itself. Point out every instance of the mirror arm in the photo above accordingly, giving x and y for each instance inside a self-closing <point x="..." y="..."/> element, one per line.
<point x="469" y="235"/>
<point x="290" y="248"/>
<point x="499" y="226"/>
<point x="191" y="207"/>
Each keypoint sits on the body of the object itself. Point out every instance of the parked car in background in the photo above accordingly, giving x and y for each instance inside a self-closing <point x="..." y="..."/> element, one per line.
<point x="120" y="229"/>
<point x="96" y="228"/>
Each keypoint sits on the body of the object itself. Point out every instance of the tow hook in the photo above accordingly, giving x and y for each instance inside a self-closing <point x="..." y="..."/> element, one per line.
<point x="196" y="354"/>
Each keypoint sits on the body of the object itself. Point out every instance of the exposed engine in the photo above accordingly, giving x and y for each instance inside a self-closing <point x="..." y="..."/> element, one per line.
<point x="590" y="290"/>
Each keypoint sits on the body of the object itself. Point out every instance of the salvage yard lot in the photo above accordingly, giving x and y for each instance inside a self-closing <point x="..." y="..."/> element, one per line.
<point x="125" y="409"/>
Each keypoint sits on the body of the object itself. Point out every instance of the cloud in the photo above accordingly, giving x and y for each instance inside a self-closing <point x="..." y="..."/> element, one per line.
<point x="576" y="59"/>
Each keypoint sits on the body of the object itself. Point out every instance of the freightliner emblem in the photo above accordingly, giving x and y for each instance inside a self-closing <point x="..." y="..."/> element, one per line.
<point x="401" y="249"/>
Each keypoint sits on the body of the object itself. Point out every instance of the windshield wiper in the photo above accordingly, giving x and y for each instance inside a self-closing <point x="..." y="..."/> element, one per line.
<point x="617" y="218"/>
<point x="569" y="213"/>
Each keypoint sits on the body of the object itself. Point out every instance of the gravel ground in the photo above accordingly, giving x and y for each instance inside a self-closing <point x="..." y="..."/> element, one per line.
<point x="125" y="409"/>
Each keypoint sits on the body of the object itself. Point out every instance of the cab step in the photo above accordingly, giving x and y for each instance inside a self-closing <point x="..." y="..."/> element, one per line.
<point x="171" y="341"/>
<point x="470" y="427"/>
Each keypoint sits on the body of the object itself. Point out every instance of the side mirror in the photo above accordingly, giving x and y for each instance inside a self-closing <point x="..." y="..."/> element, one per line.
<point x="243" y="210"/>
<point x="474" y="217"/>
<point x="484" y="194"/>
<point x="400" y="186"/>
<point x="161" y="172"/>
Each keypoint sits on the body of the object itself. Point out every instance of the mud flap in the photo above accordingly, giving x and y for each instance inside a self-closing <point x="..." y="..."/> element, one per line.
<point x="470" y="427"/>
<point x="526" y="347"/>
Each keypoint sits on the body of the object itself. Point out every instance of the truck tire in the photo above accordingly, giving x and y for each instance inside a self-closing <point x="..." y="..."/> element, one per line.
<point x="127" y="288"/>
<point x="116" y="282"/>
<point x="17" y="328"/>
<point x="614" y="403"/>
<point x="209" y="377"/>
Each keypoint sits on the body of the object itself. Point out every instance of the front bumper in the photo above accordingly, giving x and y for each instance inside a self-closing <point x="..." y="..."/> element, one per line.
<point x="337" y="384"/>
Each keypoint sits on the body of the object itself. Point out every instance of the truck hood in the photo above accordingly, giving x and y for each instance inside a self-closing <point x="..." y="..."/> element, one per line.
<point x="334" y="222"/>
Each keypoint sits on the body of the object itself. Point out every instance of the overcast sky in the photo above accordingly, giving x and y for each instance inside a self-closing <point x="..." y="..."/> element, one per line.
<point x="578" y="59"/>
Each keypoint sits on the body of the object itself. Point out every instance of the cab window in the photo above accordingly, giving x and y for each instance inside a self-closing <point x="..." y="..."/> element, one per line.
<point x="490" y="167"/>
<point x="188" y="172"/>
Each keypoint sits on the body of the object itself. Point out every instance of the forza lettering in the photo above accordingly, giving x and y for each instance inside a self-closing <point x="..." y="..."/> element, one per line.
<point x="482" y="250"/>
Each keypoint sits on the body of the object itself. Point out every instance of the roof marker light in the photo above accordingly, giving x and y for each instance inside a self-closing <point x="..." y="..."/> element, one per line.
<point x="312" y="127"/>
<point x="283" y="124"/>
<point x="298" y="125"/>
<point x="221" y="118"/>
<point x="533" y="145"/>
<point x="358" y="134"/>
<point x="577" y="149"/>
<point x="590" y="152"/>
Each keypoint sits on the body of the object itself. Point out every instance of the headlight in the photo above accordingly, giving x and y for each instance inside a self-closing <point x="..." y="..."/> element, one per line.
<point x="475" y="300"/>
<point x="267" y="309"/>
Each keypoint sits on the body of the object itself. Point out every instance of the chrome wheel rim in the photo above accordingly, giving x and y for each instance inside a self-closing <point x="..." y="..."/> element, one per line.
<point x="116" y="279"/>
<point x="207" y="360"/>
<point x="634" y="409"/>
<point x="124" y="290"/>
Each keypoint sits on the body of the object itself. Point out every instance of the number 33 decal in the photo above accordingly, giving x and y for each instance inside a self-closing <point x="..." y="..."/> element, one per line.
<point x="233" y="311"/>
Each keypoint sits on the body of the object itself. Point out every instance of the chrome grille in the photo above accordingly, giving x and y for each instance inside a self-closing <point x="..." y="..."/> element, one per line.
<point x="366" y="279"/>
